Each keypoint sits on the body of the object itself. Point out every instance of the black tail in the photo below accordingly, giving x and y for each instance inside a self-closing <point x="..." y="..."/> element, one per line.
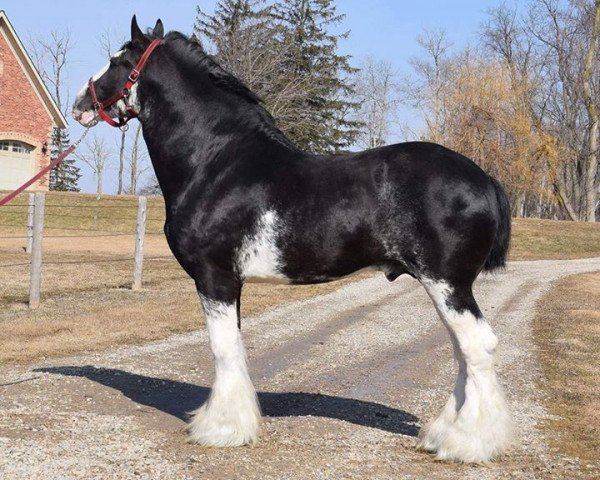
<point x="497" y="257"/>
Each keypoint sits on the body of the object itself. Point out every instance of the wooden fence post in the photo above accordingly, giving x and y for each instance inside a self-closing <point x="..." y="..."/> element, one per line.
<point x="30" y="209"/>
<point x="35" y="281"/>
<point x="138" y="257"/>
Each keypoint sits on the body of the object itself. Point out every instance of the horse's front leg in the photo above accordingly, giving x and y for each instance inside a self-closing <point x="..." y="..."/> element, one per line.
<point x="231" y="415"/>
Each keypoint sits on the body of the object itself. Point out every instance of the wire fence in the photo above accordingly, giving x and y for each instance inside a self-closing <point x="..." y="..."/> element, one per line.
<point x="34" y="220"/>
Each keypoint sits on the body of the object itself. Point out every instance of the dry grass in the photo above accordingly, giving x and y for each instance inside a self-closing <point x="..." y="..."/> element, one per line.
<point x="107" y="317"/>
<point x="567" y="332"/>
<point x="87" y="304"/>
<point x="535" y="239"/>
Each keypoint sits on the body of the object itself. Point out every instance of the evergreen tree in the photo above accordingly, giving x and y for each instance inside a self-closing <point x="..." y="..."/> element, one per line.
<point x="65" y="176"/>
<point x="229" y="19"/>
<point x="242" y="34"/>
<point x="324" y="126"/>
<point x="285" y="54"/>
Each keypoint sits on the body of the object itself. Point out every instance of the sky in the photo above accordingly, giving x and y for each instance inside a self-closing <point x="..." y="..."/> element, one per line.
<point x="383" y="29"/>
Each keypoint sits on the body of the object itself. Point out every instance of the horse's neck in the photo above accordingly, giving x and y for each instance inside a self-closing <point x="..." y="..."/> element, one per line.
<point x="183" y="134"/>
<point x="182" y="139"/>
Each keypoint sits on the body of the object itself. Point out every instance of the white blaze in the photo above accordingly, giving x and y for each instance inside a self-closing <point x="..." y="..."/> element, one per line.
<point x="95" y="77"/>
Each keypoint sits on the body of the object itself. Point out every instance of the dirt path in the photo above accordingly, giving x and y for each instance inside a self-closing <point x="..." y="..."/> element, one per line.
<point x="344" y="381"/>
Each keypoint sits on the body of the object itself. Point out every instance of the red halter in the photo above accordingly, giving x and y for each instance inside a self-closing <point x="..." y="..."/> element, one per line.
<point x="100" y="107"/>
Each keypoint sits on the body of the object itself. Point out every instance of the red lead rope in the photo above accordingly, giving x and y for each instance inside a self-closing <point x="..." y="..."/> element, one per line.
<point x="43" y="172"/>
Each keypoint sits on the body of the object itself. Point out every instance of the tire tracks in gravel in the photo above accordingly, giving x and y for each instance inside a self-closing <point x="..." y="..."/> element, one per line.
<point x="301" y="352"/>
<point x="391" y="374"/>
<point x="333" y="374"/>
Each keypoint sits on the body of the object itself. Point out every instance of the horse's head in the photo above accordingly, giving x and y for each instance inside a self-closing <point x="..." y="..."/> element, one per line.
<point x="111" y="79"/>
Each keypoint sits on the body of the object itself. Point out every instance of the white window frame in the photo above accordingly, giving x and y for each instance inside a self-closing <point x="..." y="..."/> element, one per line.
<point x="15" y="146"/>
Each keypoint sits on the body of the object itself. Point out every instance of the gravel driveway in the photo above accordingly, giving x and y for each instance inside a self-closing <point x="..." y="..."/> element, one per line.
<point x="344" y="380"/>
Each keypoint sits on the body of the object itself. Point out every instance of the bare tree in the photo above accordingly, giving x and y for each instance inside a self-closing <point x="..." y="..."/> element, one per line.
<point x="474" y="104"/>
<point x="51" y="58"/>
<point x="96" y="154"/>
<point x="591" y="165"/>
<point x="566" y="35"/>
<point x="106" y="41"/>
<point x="504" y="35"/>
<point x="151" y="187"/>
<point x="137" y="157"/>
<point x="425" y="91"/>
<point x="376" y="90"/>
<point x="507" y="39"/>
<point x="121" y="161"/>
<point x="524" y="103"/>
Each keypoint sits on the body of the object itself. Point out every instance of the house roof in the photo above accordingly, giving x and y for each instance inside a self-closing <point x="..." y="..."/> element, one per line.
<point x="31" y="72"/>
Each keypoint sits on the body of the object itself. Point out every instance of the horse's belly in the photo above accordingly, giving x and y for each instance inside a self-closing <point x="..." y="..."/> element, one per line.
<point x="271" y="255"/>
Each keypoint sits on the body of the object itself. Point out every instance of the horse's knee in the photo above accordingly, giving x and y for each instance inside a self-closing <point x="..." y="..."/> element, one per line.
<point x="475" y="425"/>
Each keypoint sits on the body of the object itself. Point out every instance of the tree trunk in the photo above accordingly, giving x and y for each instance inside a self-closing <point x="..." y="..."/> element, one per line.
<point x="564" y="202"/>
<point x="134" y="160"/>
<point x="518" y="205"/>
<point x="121" y="163"/>
<point x="591" y="164"/>
<point x="591" y="188"/>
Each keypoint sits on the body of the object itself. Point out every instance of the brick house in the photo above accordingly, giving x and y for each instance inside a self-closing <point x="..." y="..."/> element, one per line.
<point x="28" y="114"/>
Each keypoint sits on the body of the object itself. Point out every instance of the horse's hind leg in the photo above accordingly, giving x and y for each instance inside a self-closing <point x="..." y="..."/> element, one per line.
<point x="475" y="425"/>
<point x="231" y="415"/>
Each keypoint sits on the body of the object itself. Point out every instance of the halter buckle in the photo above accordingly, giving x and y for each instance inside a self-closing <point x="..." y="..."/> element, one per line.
<point x="133" y="75"/>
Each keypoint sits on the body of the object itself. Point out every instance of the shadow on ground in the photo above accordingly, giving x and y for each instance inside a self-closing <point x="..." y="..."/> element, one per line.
<point x="178" y="398"/>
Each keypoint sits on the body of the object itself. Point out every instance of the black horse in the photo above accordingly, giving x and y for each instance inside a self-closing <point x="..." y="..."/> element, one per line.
<point x="244" y="204"/>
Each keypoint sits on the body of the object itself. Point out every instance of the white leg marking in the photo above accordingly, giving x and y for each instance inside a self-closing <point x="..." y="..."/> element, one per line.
<point x="475" y="425"/>
<point x="231" y="415"/>
<point x="259" y="257"/>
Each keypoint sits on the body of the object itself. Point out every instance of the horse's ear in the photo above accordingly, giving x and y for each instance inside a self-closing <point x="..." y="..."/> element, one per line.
<point x="159" y="29"/>
<point x="137" y="36"/>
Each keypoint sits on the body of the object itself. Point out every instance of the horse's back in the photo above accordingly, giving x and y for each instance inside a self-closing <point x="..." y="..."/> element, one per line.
<point x="404" y="208"/>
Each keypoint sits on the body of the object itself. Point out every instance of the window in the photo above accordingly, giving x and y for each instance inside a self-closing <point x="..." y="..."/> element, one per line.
<point x="14" y="146"/>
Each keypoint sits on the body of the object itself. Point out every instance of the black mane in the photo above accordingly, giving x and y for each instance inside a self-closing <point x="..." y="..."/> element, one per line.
<point x="222" y="78"/>
<point x="196" y="56"/>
